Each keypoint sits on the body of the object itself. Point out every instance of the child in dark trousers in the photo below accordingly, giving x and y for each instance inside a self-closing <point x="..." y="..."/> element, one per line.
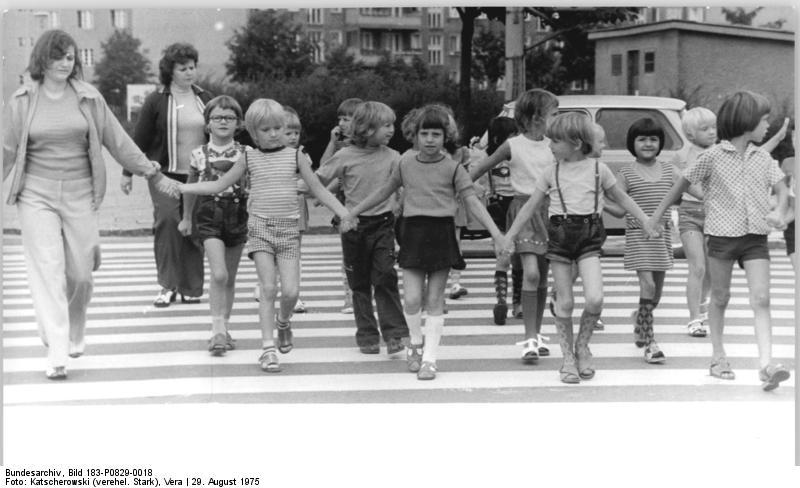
<point x="368" y="250"/>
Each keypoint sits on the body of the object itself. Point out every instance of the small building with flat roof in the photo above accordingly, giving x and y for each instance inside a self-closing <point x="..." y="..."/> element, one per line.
<point x="696" y="62"/>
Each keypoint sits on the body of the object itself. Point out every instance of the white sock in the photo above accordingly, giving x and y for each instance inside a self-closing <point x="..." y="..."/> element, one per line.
<point x="414" y="322"/>
<point x="434" y="325"/>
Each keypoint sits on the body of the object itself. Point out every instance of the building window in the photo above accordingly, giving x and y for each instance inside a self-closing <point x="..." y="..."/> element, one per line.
<point x="580" y="85"/>
<point x="335" y="37"/>
<point x="435" y="17"/>
<point x="416" y="42"/>
<point x="87" y="57"/>
<point x="616" y="64"/>
<point x="435" y="50"/>
<point x="118" y="19"/>
<point x="315" y="16"/>
<point x="696" y="14"/>
<point x="85" y="19"/>
<point x="376" y="12"/>
<point x="455" y="44"/>
<point x="670" y="13"/>
<point x="367" y="43"/>
<point x="649" y="61"/>
<point x="336" y="10"/>
<point x="410" y="10"/>
<point x="319" y="45"/>
<point x="54" y="21"/>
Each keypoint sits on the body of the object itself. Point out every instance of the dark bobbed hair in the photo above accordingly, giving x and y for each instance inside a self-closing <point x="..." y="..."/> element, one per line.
<point x="224" y="102"/>
<point x="500" y="129"/>
<point x="50" y="46"/>
<point x="645" y="127"/>
<point x="178" y="53"/>
<point x="740" y="113"/>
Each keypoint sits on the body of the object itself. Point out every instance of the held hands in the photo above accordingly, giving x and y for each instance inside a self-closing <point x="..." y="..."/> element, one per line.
<point x="126" y="184"/>
<point x="776" y="220"/>
<point x="503" y="245"/>
<point x="170" y="187"/>
<point x="185" y="227"/>
<point x="348" y="223"/>
<point x="652" y="228"/>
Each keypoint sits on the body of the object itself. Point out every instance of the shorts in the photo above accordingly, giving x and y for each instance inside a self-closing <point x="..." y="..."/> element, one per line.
<point x="429" y="244"/>
<point x="691" y="217"/>
<point x="575" y="237"/>
<point x="223" y="218"/>
<point x="277" y="236"/>
<point x="740" y="248"/>
<point x="788" y="235"/>
<point x="532" y="238"/>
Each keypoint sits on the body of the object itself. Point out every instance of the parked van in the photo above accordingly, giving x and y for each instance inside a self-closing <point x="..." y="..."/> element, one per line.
<point x="616" y="113"/>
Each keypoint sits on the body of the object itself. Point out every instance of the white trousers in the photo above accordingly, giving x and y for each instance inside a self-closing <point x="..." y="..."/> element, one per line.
<point x="61" y="242"/>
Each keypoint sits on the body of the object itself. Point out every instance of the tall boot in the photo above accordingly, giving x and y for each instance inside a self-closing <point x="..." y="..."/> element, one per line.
<point x="516" y="292"/>
<point x="652" y="353"/>
<point x="582" y="352"/>
<point x="643" y="317"/>
<point x="569" y="370"/>
<point x="501" y="290"/>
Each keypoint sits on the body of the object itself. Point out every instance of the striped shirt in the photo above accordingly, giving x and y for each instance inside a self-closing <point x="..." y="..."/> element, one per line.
<point x="646" y="193"/>
<point x="273" y="182"/>
<point x="736" y="188"/>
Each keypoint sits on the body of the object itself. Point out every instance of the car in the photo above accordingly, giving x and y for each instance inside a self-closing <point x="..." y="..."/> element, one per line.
<point x="615" y="113"/>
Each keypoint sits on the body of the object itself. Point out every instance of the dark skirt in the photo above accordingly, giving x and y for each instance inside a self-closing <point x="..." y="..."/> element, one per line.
<point x="429" y="244"/>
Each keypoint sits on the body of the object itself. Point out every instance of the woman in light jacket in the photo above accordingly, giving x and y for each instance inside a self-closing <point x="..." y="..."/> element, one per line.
<point x="170" y="125"/>
<point x="56" y="127"/>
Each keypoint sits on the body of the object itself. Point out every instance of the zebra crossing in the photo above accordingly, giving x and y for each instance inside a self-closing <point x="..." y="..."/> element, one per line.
<point x="137" y="353"/>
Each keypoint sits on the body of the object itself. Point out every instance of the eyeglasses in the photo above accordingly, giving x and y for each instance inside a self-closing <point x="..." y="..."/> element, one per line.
<point x="226" y="118"/>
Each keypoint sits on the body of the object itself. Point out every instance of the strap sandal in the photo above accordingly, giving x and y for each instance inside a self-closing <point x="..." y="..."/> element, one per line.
<point x="164" y="298"/>
<point x="697" y="328"/>
<point x="414" y="357"/>
<point x="772" y="375"/>
<point x="56" y="373"/>
<point x="268" y="361"/>
<point x="217" y="345"/>
<point x="530" y="350"/>
<point x="542" y="349"/>
<point x="568" y="373"/>
<point x="653" y="354"/>
<point x="230" y="342"/>
<point x="189" y="300"/>
<point x="427" y="371"/>
<point x="583" y="358"/>
<point x="721" y="368"/>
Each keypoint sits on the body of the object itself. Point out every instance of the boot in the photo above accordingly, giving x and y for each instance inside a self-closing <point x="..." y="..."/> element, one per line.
<point x="501" y="290"/>
<point x="516" y="292"/>
<point x="569" y="370"/>
<point x="582" y="352"/>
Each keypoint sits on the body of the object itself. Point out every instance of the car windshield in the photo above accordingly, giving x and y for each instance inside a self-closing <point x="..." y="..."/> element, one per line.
<point x="616" y="121"/>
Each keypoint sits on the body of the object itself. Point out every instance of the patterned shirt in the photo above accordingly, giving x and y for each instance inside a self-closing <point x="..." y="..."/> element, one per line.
<point x="647" y="193"/>
<point x="208" y="162"/>
<point x="273" y="182"/>
<point x="736" y="188"/>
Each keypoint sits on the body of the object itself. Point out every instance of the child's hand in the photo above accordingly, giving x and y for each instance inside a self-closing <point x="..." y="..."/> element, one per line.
<point x="336" y="133"/>
<point x="170" y="187"/>
<point x="651" y="228"/>
<point x="348" y="223"/>
<point x="185" y="227"/>
<point x="775" y="219"/>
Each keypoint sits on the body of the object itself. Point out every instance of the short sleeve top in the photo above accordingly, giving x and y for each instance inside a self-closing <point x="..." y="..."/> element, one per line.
<point x="431" y="188"/>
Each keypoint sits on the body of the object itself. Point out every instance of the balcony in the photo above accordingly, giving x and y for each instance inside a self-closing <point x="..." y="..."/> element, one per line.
<point x="383" y="18"/>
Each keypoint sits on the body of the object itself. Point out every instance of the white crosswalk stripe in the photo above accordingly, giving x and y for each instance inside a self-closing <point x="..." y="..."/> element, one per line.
<point x="138" y="353"/>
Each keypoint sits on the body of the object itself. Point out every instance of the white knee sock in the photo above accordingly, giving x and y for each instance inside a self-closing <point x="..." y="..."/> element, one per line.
<point x="414" y="322"/>
<point x="434" y="325"/>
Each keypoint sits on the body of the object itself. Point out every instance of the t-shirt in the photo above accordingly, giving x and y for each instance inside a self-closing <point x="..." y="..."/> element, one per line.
<point x="58" y="141"/>
<point x="360" y="171"/>
<point x="273" y="182"/>
<point x="209" y="162"/>
<point x="529" y="160"/>
<point x="431" y="188"/>
<point x="578" y="183"/>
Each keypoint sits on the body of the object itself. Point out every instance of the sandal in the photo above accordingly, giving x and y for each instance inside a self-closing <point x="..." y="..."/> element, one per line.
<point x="56" y="373"/>
<point x="543" y="349"/>
<point x="164" y="298"/>
<point x="697" y="328"/>
<point x="414" y="357"/>
<point x="584" y="363"/>
<point x="653" y="354"/>
<point x="188" y="299"/>
<point x="217" y="345"/>
<point x="269" y="361"/>
<point x="427" y="371"/>
<point x="530" y="350"/>
<point x="569" y="374"/>
<point x="721" y="368"/>
<point x="772" y="375"/>
<point x="230" y="342"/>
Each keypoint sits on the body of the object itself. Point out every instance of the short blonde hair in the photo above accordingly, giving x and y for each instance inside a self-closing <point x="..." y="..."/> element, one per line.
<point x="367" y="118"/>
<point x="574" y="128"/>
<point x="599" y="140"/>
<point x="263" y="110"/>
<point x="696" y="117"/>
<point x="292" y="119"/>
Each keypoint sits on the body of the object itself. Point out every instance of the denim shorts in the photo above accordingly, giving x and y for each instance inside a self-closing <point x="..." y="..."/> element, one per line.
<point x="575" y="237"/>
<point x="740" y="249"/>
<point x="691" y="217"/>
<point x="223" y="218"/>
<point x="277" y="236"/>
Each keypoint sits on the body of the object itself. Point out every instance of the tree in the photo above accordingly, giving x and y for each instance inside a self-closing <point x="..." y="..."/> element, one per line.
<point x="269" y="46"/>
<point x="740" y="16"/>
<point x="488" y="56"/>
<point x="121" y="64"/>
